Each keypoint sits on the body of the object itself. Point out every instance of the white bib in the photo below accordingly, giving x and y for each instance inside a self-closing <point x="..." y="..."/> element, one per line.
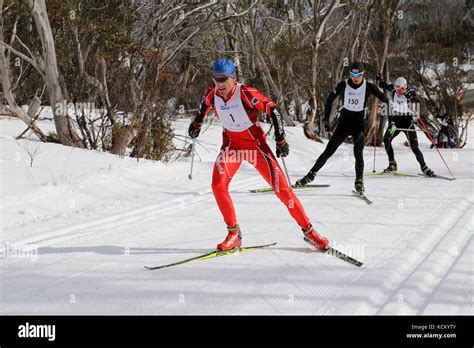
<point x="232" y="113"/>
<point x="354" y="98"/>
<point x="400" y="104"/>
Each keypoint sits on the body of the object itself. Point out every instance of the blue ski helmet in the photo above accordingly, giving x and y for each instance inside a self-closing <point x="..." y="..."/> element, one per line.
<point x="223" y="67"/>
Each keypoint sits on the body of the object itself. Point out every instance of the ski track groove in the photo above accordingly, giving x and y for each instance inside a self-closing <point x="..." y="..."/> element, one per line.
<point x="32" y="291"/>
<point x="410" y="262"/>
<point x="287" y="290"/>
<point x="138" y="214"/>
<point x="379" y="260"/>
<point x="123" y="218"/>
<point x="440" y="268"/>
<point x="444" y="277"/>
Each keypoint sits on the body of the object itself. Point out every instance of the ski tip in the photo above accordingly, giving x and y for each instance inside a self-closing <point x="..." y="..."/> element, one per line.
<point x="330" y="250"/>
<point x="436" y="176"/>
<point x="269" y="189"/>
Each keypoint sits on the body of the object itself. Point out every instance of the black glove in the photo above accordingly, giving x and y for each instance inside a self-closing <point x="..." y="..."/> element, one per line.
<point x="194" y="129"/>
<point x="378" y="77"/>
<point x="283" y="149"/>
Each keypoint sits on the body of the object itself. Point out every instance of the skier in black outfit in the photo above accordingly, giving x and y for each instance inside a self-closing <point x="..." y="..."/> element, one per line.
<point x="400" y="116"/>
<point x="354" y="93"/>
<point x="444" y="133"/>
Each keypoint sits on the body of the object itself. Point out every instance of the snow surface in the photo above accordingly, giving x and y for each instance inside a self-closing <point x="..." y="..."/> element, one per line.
<point x="79" y="225"/>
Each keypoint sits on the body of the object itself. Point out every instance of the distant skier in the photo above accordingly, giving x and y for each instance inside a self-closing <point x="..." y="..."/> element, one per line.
<point x="237" y="107"/>
<point x="444" y="137"/>
<point x="354" y="93"/>
<point x="401" y="116"/>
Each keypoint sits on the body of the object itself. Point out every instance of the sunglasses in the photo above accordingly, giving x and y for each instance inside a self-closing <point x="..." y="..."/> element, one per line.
<point x="356" y="74"/>
<point x="220" y="79"/>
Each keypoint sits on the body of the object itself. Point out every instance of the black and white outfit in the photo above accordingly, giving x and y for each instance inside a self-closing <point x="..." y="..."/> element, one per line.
<point x="351" y="121"/>
<point x="402" y="117"/>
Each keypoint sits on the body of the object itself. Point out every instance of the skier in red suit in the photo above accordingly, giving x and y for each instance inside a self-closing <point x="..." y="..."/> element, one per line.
<point x="237" y="107"/>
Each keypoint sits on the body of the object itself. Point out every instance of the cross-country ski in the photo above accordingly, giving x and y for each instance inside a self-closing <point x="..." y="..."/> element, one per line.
<point x="306" y="187"/>
<point x="210" y="255"/>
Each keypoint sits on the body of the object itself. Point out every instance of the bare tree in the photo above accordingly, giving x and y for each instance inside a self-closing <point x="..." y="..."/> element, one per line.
<point x="7" y="86"/>
<point x="65" y="130"/>
<point x="319" y="23"/>
<point x="32" y="149"/>
<point x="387" y="10"/>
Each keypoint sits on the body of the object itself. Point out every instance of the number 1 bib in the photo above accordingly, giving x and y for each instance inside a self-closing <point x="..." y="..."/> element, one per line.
<point x="232" y="113"/>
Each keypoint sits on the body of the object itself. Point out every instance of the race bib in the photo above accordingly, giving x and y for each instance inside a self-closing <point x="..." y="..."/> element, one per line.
<point x="232" y="113"/>
<point x="354" y="98"/>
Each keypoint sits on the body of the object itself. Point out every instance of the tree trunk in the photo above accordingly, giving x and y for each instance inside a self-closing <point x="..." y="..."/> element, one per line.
<point x="309" y="126"/>
<point x="266" y="71"/>
<point x="383" y="65"/>
<point x="66" y="133"/>
<point x="7" y="88"/>
<point x="122" y="136"/>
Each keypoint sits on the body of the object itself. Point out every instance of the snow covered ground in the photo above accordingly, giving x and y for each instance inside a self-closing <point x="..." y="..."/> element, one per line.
<point x="78" y="227"/>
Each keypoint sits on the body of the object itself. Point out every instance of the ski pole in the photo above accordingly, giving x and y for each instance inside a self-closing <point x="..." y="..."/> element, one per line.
<point x="376" y="129"/>
<point x="286" y="171"/>
<point x="190" y="176"/>
<point x="410" y="130"/>
<point x="434" y="144"/>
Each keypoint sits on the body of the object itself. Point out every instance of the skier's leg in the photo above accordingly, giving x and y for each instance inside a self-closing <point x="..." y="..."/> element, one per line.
<point x="413" y="140"/>
<point x="268" y="167"/>
<point x="359" y="142"/>
<point x="224" y="169"/>
<point x="334" y="142"/>
<point x="357" y="132"/>
<point x="387" y="140"/>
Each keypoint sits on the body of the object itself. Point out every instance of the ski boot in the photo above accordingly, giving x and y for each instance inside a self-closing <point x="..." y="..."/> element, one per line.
<point x="359" y="186"/>
<point x="305" y="180"/>
<point x="427" y="171"/>
<point x="312" y="237"/>
<point x="233" y="239"/>
<point x="392" y="167"/>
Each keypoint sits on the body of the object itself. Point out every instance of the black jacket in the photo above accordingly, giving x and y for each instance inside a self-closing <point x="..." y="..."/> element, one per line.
<point x="340" y="90"/>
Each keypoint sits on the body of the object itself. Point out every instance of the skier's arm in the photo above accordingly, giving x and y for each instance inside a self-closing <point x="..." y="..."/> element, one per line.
<point x="254" y="99"/>
<point x="376" y="92"/>
<point x="203" y="110"/>
<point x="373" y="89"/>
<point x="205" y="105"/>
<point x="277" y="121"/>
<point x="384" y="85"/>
<point x="330" y="99"/>
<point x="411" y="96"/>
<point x="387" y="86"/>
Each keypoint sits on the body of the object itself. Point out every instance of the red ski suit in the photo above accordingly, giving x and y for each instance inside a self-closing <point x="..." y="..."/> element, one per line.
<point x="244" y="139"/>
